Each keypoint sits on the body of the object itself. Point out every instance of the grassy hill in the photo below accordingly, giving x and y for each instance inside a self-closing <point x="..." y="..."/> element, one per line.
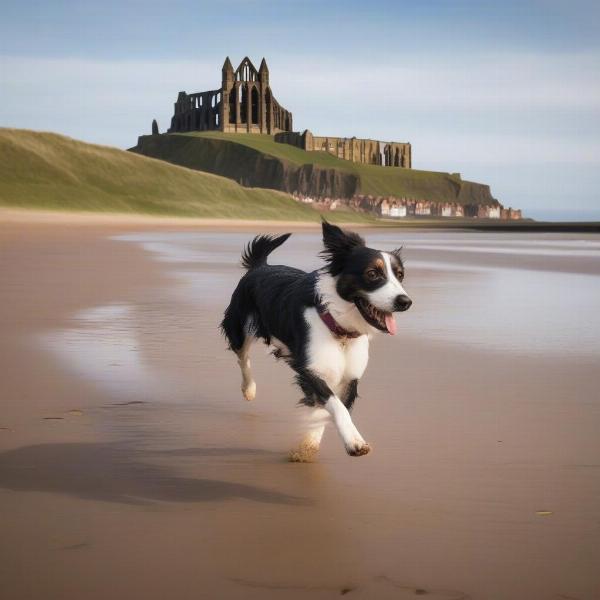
<point x="50" y="171"/>
<point x="257" y="160"/>
<point x="53" y="172"/>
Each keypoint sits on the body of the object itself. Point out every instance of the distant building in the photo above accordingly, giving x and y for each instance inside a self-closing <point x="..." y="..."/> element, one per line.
<point x="398" y="211"/>
<point x="423" y="209"/>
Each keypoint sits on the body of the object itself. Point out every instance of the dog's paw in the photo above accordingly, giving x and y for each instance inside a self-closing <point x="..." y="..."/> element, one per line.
<point x="305" y="453"/>
<point x="358" y="449"/>
<point x="249" y="391"/>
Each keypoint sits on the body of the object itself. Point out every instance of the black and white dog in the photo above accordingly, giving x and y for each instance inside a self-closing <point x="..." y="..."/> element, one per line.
<point x="320" y="323"/>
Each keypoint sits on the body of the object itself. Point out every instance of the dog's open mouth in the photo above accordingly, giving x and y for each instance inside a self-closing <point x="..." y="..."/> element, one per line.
<point x="384" y="321"/>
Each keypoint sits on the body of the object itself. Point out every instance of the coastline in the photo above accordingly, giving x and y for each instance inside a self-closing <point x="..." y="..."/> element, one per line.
<point x="35" y="216"/>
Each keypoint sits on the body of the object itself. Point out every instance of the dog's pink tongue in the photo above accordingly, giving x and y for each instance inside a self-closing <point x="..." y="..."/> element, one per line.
<point x="390" y="323"/>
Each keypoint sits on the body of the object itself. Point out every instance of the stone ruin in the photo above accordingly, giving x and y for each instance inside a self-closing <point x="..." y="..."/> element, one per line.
<point x="245" y="103"/>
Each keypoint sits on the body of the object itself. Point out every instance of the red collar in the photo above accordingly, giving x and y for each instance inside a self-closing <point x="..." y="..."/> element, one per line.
<point x="335" y="327"/>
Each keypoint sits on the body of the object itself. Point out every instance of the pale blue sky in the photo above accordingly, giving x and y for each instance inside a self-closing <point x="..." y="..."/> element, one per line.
<point x="505" y="93"/>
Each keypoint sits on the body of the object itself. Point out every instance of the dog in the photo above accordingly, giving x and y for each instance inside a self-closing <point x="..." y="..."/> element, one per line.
<point x="320" y="323"/>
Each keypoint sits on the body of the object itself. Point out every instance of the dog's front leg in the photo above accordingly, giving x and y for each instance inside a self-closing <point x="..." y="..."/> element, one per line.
<point x="319" y="394"/>
<point x="354" y="442"/>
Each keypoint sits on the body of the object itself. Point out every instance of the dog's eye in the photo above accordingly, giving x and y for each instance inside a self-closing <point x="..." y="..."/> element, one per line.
<point x="372" y="274"/>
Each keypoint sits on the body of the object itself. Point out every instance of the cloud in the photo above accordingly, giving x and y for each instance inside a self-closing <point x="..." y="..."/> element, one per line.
<point x="464" y="81"/>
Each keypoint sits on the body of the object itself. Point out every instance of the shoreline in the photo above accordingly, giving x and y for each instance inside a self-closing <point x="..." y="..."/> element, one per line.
<point x="47" y="217"/>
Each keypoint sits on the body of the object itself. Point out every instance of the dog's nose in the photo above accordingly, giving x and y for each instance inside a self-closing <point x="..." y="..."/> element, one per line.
<point x="402" y="303"/>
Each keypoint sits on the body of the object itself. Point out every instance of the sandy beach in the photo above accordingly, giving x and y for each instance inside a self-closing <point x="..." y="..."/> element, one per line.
<point x="130" y="466"/>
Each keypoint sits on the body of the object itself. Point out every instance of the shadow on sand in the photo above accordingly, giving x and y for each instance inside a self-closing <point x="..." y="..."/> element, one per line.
<point x="117" y="473"/>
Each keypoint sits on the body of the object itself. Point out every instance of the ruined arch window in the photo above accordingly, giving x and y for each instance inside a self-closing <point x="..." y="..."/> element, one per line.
<point x="245" y="72"/>
<point x="232" y="97"/>
<point x="386" y="156"/>
<point x="243" y="103"/>
<point x="255" y="105"/>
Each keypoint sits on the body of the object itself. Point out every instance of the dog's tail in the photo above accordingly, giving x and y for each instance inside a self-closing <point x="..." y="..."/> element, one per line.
<point x="256" y="252"/>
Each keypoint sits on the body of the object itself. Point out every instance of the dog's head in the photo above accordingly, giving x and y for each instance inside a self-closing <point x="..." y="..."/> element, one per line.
<point x="371" y="279"/>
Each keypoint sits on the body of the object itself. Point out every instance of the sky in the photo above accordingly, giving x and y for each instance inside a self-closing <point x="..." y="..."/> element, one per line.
<point x="506" y="93"/>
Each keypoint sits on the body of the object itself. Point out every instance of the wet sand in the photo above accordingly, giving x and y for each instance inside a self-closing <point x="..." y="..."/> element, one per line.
<point x="130" y="466"/>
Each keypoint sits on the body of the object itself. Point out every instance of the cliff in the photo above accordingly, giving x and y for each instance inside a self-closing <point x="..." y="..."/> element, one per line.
<point x="247" y="166"/>
<point x="258" y="161"/>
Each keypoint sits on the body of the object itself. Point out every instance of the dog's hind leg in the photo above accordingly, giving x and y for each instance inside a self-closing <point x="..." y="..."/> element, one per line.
<point x="311" y="442"/>
<point x="240" y="334"/>
<point x="248" y="383"/>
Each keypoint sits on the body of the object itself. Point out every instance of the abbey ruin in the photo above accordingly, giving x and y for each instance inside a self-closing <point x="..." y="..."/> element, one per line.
<point x="372" y="152"/>
<point x="245" y="103"/>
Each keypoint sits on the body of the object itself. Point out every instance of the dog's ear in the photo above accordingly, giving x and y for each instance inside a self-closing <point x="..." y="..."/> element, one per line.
<point x="397" y="253"/>
<point x="338" y="244"/>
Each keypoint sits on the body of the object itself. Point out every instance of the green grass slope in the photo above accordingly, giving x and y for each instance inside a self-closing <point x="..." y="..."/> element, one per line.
<point x="374" y="179"/>
<point x="53" y="172"/>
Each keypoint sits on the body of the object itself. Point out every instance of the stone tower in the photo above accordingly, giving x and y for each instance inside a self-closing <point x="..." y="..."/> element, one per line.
<point x="245" y="103"/>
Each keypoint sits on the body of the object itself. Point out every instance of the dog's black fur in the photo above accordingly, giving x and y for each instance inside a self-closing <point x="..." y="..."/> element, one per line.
<point x="269" y="300"/>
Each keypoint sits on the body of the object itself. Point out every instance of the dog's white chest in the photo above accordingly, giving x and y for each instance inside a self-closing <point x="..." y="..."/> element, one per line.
<point x="335" y="360"/>
<point x="356" y="357"/>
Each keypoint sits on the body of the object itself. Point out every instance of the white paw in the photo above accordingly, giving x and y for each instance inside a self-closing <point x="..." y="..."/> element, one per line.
<point x="249" y="391"/>
<point x="358" y="448"/>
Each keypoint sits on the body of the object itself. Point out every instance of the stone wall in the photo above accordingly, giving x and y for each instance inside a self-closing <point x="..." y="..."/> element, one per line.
<point x="372" y="152"/>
